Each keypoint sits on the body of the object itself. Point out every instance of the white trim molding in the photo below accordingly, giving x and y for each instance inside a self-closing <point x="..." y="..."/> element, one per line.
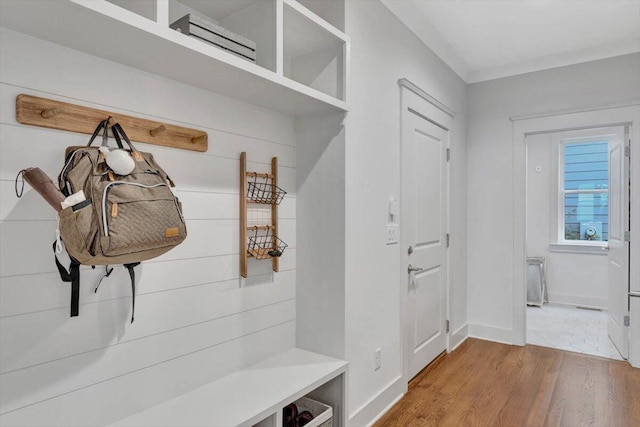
<point x="491" y="333"/>
<point x="576" y="248"/>
<point x="458" y="337"/>
<point x="378" y="405"/>
<point x="577" y="301"/>
<point x="385" y="410"/>
<point x="424" y="95"/>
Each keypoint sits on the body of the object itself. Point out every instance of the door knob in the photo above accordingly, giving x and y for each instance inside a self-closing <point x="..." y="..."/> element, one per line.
<point x="414" y="269"/>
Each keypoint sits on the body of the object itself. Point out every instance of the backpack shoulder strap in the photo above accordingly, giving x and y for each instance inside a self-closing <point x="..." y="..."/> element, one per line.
<point x="132" y="275"/>
<point x="72" y="276"/>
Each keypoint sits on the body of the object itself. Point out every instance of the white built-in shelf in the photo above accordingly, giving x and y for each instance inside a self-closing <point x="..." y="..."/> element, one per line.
<point x="315" y="52"/>
<point x="252" y="395"/>
<point x="136" y="33"/>
<point x="253" y="19"/>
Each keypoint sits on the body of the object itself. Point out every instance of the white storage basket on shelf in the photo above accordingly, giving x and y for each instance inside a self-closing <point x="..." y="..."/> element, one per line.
<point x="322" y="414"/>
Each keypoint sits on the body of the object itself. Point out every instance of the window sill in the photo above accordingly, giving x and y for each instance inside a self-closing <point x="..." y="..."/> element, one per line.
<point x="577" y="248"/>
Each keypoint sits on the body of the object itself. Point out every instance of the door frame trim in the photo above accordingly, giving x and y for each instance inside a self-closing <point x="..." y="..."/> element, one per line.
<point x="555" y="122"/>
<point x="411" y="96"/>
<point x="407" y="84"/>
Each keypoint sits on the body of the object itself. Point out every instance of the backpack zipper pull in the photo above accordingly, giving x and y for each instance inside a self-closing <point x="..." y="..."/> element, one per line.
<point x="107" y="273"/>
<point x="58" y="241"/>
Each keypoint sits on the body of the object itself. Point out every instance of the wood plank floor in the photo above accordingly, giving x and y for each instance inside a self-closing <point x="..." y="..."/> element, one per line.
<point x="484" y="383"/>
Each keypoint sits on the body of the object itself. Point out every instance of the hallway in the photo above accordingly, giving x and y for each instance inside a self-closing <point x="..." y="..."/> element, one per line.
<point x="570" y="328"/>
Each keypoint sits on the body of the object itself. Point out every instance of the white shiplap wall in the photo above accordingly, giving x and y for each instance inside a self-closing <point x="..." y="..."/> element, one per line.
<point x="195" y="319"/>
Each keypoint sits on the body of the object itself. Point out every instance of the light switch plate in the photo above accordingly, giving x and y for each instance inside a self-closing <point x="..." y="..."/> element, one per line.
<point x="393" y="234"/>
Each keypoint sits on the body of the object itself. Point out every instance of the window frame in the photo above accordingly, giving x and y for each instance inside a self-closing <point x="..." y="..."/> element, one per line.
<point x="560" y="140"/>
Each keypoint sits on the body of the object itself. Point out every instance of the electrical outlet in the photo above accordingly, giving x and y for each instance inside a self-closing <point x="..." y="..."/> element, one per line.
<point x="378" y="358"/>
<point x="393" y="234"/>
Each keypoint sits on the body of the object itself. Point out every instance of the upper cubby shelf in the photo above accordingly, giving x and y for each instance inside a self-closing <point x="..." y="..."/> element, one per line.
<point x="246" y="28"/>
<point x="291" y="60"/>
<point x="314" y="52"/>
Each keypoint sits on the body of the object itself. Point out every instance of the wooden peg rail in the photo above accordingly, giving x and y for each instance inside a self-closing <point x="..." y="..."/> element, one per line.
<point x="35" y="111"/>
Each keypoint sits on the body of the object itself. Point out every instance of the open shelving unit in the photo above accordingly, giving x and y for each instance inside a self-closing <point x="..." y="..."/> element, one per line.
<point x="302" y="60"/>
<point x="314" y="52"/>
<point x="254" y="20"/>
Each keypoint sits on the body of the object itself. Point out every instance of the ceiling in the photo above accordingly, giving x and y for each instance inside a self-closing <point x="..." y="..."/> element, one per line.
<point x="488" y="39"/>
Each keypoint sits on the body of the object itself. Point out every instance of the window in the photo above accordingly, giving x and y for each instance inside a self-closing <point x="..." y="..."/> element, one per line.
<point x="584" y="191"/>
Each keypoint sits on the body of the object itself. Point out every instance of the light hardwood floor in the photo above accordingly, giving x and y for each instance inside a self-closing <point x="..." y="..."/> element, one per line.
<point x="489" y="384"/>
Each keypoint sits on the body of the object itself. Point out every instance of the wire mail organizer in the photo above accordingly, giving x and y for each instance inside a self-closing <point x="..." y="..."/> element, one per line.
<point x="261" y="240"/>
<point x="265" y="246"/>
<point x="264" y="192"/>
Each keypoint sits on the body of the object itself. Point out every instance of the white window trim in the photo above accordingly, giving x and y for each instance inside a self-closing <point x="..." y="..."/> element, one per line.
<point x="599" y="248"/>
<point x="560" y="244"/>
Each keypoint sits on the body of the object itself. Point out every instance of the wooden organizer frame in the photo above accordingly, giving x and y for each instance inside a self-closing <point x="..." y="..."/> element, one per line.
<point x="35" y="111"/>
<point x="273" y="177"/>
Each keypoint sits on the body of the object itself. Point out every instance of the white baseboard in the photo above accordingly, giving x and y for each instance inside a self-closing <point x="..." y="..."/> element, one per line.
<point x="379" y="404"/>
<point x="459" y="336"/>
<point x="491" y="333"/>
<point x="573" y="300"/>
<point x="385" y="410"/>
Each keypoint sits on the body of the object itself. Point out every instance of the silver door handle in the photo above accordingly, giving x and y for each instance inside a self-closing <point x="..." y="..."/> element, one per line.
<point x="414" y="269"/>
<point x="634" y="294"/>
<point x="605" y="247"/>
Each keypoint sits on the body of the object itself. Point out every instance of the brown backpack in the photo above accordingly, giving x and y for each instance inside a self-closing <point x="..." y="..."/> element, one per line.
<point x="124" y="219"/>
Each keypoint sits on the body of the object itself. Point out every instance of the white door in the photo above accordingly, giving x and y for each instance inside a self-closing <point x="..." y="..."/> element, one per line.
<point x="618" y="247"/>
<point x="425" y="223"/>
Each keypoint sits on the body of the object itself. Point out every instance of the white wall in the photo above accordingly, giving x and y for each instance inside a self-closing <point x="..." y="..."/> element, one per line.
<point x="320" y="296"/>
<point x="378" y="60"/>
<point x="195" y="319"/>
<point x="490" y="169"/>
<point x="572" y="278"/>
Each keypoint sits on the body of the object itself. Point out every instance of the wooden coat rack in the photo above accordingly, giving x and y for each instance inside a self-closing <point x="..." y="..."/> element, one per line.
<point x="35" y="111"/>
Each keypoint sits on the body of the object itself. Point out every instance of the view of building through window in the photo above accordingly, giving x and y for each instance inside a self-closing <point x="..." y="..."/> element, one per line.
<point x="586" y="191"/>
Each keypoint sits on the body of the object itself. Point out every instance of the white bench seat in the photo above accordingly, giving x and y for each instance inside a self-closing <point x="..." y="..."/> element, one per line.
<point x="245" y="397"/>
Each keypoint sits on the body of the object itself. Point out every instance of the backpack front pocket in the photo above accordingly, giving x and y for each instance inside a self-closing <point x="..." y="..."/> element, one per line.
<point x="78" y="229"/>
<point x="138" y="218"/>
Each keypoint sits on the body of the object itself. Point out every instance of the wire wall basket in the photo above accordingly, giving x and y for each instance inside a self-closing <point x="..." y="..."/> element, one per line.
<point x="266" y="246"/>
<point x="264" y="192"/>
